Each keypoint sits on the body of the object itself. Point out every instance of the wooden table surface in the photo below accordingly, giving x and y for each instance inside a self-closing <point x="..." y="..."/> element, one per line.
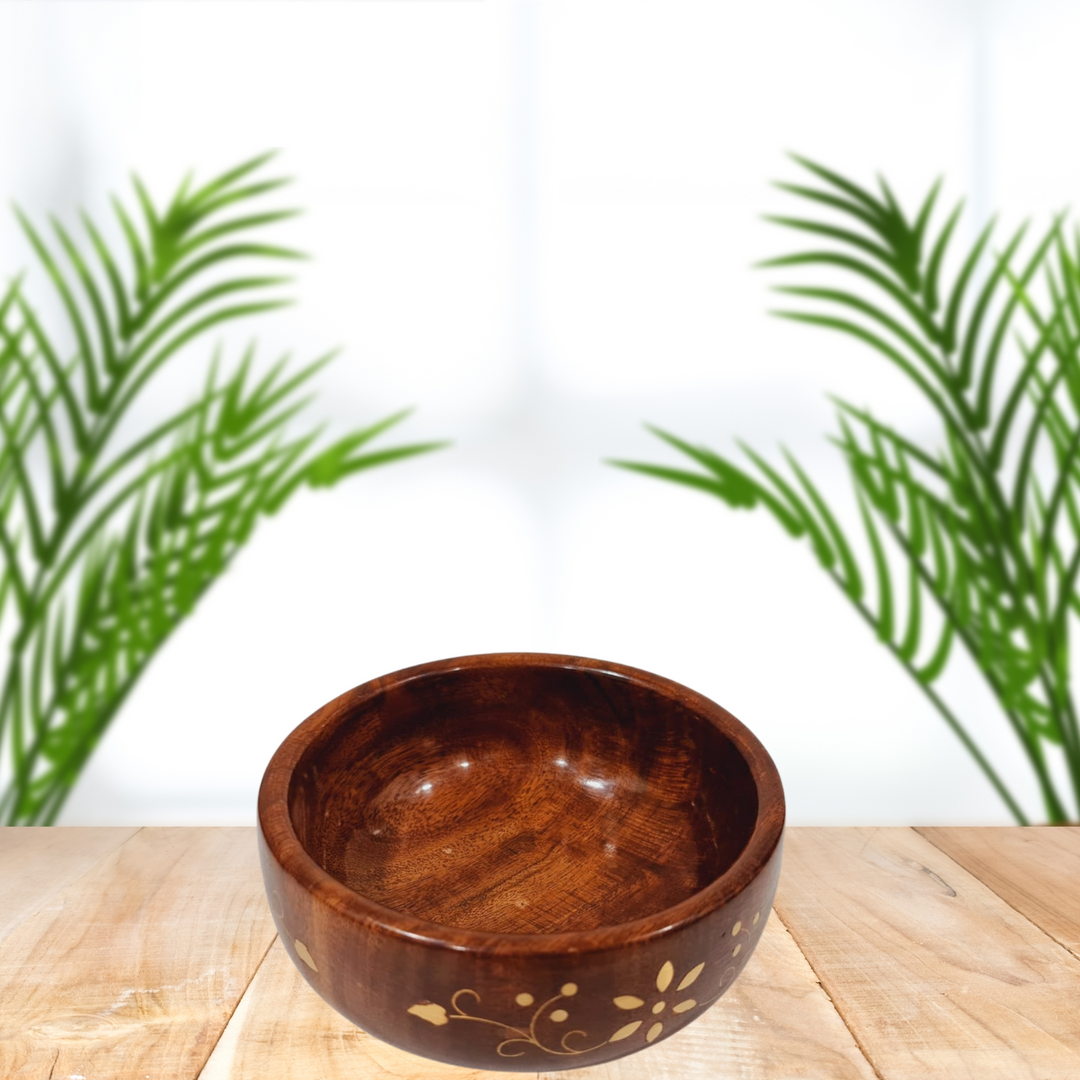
<point x="892" y="953"/>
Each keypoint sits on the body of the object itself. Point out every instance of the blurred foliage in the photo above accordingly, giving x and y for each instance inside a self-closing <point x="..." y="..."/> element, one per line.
<point x="107" y="538"/>
<point x="972" y="543"/>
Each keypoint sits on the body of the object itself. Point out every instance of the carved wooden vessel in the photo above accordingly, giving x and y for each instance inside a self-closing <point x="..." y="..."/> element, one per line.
<point x="521" y="861"/>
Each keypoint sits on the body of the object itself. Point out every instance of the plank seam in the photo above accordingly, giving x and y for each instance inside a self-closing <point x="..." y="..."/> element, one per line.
<point x="59" y="888"/>
<point x="247" y="990"/>
<point x="1027" y="918"/>
<point x="836" y="1008"/>
<point x="236" y="1008"/>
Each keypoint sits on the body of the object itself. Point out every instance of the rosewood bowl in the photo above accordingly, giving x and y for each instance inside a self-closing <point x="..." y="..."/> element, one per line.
<point x="520" y="861"/>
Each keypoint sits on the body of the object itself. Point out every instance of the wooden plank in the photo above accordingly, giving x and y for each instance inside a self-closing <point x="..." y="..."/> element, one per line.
<point x="284" y="1030"/>
<point x="37" y="863"/>
<point x="1035" y="870"/>
<point x="775" y="1022"/>
<point x="934" y="973"/>
<point x="134" y="970"/>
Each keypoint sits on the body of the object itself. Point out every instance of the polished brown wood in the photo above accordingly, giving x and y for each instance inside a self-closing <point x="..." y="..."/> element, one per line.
<point x="560" y="861"/>
<point x="775" y="1023"/>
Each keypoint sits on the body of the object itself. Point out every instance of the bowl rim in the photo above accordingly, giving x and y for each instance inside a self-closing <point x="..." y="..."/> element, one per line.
<point x="277" y="832"/>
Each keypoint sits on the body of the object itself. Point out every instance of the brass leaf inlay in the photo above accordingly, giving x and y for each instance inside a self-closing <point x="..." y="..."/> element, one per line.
<point x="518" y="1038"/>
<point x="433" y="1014"/>
<point x="690" y="976"/>
<point x="625" y="1032"/>
<point x="628" y="1001"/>
<point x="302" y="952"/>
<point x="665" y="975"/>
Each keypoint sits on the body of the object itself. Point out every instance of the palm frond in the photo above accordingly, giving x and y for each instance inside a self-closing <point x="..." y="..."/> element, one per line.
<point x="116" y="545"/>
<point x="988" y="562"/>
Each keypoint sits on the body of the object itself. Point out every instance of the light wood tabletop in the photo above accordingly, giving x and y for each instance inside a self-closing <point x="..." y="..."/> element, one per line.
<point x="892" y="953"/>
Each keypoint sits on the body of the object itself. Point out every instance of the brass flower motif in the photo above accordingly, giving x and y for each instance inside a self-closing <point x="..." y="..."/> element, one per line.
<point x="664" y="979"/>
<point x="539" y="1033"/>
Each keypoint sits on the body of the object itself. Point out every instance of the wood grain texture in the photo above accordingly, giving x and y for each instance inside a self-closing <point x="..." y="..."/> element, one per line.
<point x="134" y="969"/>
<point x="36" y="863"/>
<point x="1035" y="870"/>
<point x="522" y="793"/>
<point x="775" y="1022"/>
<point x="533" y="844"/>
<point x="935" y="975"/>
<point x="283" y="1030"/>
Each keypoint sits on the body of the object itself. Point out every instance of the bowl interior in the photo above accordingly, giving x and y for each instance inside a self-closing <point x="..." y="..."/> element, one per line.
<point x="524" y="799"/>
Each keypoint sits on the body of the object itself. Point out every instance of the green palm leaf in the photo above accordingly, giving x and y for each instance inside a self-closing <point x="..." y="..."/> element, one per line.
<point x="990" y="563"/>
<point x="108" y="551"/>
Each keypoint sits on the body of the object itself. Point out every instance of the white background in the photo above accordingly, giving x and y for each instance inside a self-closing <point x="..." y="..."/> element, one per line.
<point x="536" y="223"/>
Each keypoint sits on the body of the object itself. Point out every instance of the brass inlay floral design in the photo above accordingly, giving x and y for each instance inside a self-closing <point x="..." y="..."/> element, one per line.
<point x="738" y="929"/>
<point x="663" y="980"/>
<point x="278" y="908"/>
<point x="302" y="952"/>
<point x="520" y="1036"/>
<point x="535" y="1033"/>
<point x="433" y="1014"/>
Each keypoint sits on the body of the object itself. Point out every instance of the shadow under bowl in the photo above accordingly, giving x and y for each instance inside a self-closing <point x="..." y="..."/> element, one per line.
<point x="521" y="861"/>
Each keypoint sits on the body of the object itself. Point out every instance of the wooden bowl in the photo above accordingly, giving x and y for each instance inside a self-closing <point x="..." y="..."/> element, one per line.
<point x="521" y="861"/>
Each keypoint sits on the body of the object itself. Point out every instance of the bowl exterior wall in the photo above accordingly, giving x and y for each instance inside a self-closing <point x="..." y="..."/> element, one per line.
<point x="494" y="1009"/>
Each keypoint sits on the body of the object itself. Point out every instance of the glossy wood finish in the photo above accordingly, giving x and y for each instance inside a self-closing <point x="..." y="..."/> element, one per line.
<point x="524" y="800"/>
<point x="561" y="860"/>
<point x="131" y="954"/>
